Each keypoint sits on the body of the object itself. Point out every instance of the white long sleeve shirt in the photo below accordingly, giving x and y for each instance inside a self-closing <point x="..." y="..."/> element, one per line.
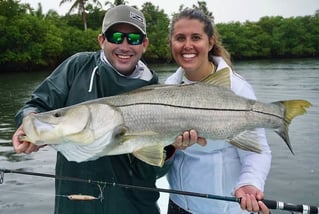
<point x="217" y="168"/>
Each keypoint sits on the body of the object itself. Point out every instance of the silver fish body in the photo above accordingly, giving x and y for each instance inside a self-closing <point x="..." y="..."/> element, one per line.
<point x="144" y="121"/>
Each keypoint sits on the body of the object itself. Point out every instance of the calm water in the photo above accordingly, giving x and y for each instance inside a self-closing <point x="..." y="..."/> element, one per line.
<point x="292" y="179"/>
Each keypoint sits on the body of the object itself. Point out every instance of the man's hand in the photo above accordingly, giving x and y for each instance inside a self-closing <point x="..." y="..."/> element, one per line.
<point x="22" y="146"/>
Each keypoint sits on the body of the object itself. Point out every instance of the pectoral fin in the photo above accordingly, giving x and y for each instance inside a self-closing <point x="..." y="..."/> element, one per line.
<point x="247" y="140"/>
<point x="146" y="133"/>
<point x="123" y="134"/>
<point x="153" y="155"/>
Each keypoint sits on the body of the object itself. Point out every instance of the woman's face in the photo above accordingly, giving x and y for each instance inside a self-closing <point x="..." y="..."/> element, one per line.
<point x="190" y="46"/>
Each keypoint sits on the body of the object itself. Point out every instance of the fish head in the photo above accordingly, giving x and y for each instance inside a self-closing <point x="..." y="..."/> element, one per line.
<point x="57" y="125"/>
<point x="80" y="124"/>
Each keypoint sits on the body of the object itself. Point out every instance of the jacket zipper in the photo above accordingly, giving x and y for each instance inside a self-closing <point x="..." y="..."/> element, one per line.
<point x="181" y="178"/>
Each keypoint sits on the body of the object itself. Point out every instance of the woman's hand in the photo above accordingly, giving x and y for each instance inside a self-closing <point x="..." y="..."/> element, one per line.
<point x="251" y="198"/>
<point x="188" y="138"/>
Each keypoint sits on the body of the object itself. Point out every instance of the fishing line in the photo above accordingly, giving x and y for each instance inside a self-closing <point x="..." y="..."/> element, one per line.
<point x="271" y="204"/>
<point x="33" y="193"/>
<point x="39" y="194"/>
<point x="71" y="196"/>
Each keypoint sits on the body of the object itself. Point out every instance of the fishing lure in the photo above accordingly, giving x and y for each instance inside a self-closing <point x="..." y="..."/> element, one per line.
<point x="81" y="197"/>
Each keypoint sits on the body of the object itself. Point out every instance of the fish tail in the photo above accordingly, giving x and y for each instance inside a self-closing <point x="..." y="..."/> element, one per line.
<point x="292" y="108"/>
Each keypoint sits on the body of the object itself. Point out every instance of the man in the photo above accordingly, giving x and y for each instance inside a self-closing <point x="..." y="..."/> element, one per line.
<point x="115" y="69"/>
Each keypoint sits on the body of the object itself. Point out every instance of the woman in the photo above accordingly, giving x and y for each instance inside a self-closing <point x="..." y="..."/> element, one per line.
<point x="218" y="168"/>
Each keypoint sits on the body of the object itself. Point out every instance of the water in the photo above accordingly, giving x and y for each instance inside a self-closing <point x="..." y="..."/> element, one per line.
<point x="293" y="179"/>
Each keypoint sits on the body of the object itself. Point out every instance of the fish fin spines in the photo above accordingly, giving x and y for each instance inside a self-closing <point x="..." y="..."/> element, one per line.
<point x="295" y="108"/>
<point x="283" y="133"/>
<point x="220" y="78"/>
<point x="292" y="108"/>
<point x="247" y="140"/>
<point x="153" y="155"/>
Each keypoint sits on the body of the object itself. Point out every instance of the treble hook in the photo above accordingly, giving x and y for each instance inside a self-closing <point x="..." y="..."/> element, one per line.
<point x="101" y="196"/>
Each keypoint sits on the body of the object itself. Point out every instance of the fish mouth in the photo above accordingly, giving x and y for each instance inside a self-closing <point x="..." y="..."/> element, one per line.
<point x="33" y="128"/>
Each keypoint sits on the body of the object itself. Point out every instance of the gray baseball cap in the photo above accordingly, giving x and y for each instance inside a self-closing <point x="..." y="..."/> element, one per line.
<point x="124" y="14"/>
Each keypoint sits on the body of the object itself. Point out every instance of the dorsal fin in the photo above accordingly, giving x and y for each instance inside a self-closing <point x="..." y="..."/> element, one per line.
<point x="219" y="78"/>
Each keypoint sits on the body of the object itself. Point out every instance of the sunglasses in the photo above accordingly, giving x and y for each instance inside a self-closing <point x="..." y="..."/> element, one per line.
<point x="118" y="37"/>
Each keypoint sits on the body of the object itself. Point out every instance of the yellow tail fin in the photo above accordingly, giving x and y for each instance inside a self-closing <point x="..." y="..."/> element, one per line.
<point x="293" y="108"/>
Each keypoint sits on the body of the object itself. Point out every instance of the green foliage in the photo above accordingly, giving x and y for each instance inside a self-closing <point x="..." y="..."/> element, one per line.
<point x="272" y="37"/>
<point x="23" y="36"/>
<point x="31" y="39"/>
<point x="95" y="19"/>
<point x="83" y="6"/>
<point x="157" y="32"/>
<point x="11" y="8"/>
<point x="75" y="40"/>
<point x="203" y="7"/>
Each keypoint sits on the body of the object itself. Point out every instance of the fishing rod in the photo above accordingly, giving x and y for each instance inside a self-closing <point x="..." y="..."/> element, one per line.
<point x="271" y="204"/>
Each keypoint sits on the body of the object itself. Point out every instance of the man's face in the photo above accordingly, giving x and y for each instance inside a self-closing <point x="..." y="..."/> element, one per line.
<point x="123" y="56"/>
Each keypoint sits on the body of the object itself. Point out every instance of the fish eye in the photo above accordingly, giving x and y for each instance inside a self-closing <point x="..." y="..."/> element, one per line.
<point x="57" y="114"/>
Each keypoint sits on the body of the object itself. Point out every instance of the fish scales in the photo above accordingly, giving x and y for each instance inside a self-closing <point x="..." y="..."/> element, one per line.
<point x="144" y="121"/>
<point x="212" y="111"/>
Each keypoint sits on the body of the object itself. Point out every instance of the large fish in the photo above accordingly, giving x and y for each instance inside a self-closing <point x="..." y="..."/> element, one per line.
<point x="146" y="120"/>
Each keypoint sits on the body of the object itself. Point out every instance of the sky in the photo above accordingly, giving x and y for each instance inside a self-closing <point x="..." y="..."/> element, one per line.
<point x="224" y="11"/>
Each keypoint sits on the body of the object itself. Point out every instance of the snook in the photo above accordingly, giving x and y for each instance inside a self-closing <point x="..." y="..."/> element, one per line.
<point x="144" y="121"/>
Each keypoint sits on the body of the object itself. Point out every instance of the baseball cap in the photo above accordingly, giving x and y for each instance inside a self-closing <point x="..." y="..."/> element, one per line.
<point x="124" y="14"/>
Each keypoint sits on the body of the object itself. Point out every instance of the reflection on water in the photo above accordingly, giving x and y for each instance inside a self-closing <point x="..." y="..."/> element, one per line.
<point x="292" y="178"/>
<point x="16" y="88"/>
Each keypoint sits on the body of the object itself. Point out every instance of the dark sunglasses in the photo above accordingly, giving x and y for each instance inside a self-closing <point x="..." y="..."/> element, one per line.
<point x="118" y="37"/>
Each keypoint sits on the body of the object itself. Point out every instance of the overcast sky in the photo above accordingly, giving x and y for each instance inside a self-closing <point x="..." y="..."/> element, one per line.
<point x="223" y="10"/>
